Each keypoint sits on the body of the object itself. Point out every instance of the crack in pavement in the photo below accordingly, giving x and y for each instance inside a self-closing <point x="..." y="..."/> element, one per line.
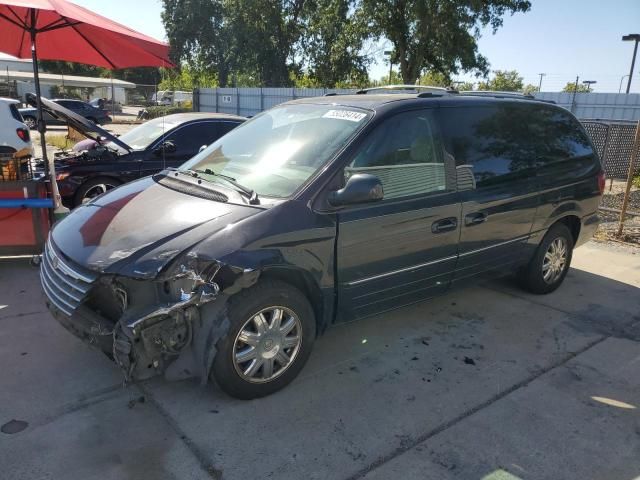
<point x="409" y="445"/>
<point x="200" y="456"/>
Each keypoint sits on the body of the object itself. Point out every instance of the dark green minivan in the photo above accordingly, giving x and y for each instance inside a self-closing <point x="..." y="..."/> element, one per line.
<point x="319" y="211"/>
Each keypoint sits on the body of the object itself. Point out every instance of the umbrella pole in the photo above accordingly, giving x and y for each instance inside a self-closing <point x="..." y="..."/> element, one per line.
<point x="59" y="210"/>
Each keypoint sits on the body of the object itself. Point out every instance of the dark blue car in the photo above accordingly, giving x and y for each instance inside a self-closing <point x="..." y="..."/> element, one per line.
<point x="91" y="113"/>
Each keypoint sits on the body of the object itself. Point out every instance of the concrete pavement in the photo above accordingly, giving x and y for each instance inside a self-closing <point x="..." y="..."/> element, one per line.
<point x="484" y="383"/>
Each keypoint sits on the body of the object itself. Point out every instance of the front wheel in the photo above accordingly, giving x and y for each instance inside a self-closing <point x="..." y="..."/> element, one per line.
<point x="551" y="262"/>
<point x="270" y="339"/>
<point x="92" y="188"/>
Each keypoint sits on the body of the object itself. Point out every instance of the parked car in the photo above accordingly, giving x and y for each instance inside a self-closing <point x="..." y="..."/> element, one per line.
<point x="110" y="161"/>
<point x="91" y="113"/>
<point x="315" y="212"/>
<point x="14" y="134"/>
<point x="170" y="97"/>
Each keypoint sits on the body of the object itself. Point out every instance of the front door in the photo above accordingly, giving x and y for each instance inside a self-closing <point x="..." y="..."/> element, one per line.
<point x="402" y="249"/>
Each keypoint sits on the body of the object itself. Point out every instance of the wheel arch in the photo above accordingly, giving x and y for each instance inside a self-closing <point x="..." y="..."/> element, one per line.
<point x="303" y="281"/>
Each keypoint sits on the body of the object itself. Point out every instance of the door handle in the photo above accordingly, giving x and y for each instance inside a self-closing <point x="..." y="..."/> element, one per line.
<point x="444" y="225"/>
<point x="475" y="219"/>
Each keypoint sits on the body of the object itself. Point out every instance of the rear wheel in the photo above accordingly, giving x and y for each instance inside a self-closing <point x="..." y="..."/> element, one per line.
<point x="551" y="262"/>
<point x="270" y="339"/>
<point x="30" y="122"/>
<point x="92" y="188"/>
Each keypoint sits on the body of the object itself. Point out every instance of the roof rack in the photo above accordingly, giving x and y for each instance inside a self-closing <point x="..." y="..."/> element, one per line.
<point x="497" y="93"/>
<point x="424" y="88"/>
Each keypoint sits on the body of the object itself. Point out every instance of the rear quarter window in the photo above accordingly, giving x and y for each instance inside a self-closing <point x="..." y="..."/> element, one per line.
<point x="511" y="141"/>
<point x="15" y="113"/>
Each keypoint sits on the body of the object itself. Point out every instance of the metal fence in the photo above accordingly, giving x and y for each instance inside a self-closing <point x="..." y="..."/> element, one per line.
<point x="610" y="106"/>
<point x="250" y="101"/>
<point x="614" y="143"/>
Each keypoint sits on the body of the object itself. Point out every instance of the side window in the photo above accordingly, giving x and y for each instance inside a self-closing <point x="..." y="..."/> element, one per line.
<point x="226" y="127"/>
<point x="510" y="141"/>
<point x="560" y="138"/>
<point x="190" y="138"/>
<point x="15" y="113"/>
<point x="405" y="153"/>
<point x="491" y="145"/>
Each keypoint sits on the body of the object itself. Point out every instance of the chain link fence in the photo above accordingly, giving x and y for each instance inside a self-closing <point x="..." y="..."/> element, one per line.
<point x="618" y="145"/>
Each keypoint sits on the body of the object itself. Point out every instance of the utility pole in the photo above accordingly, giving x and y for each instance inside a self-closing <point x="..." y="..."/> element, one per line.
<point x="628" y="38"/>
<point x="540" y="84"/>
<point x="573" y="99"/>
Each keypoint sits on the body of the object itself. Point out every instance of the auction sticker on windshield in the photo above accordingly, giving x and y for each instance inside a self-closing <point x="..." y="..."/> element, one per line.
<point x="345" y="115"/>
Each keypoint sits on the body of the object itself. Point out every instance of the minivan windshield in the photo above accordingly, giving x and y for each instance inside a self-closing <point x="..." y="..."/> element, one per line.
<point x="277" y="151"/>
<point x="141" y="137"/>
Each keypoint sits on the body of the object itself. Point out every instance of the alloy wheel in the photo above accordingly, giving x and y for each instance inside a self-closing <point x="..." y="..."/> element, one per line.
<point x="267" y="344"/>
<point x="96" y="190"/>
<point x="555" y="260"/>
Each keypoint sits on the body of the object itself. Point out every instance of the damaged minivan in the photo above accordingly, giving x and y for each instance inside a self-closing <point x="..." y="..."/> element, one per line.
<point x="319" y="211"/>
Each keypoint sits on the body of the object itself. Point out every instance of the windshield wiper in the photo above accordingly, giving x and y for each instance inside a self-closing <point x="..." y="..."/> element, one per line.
<point x="251" y="194"/>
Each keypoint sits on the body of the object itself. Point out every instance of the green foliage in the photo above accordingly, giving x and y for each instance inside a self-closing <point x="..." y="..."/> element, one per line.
<point x="530" y="89"/>
<point x="186" y="79"/>
<point x="436" y="35"/>
<point x="503" y="81"/>
<point x="140" y="75"/>
<point x="331" y="42"/>
<point x="155" y="112"/>
<point x="435" y="79"/>
<point x="636" y="181"/>
<point x="267" y="43"/>
<point x="570" y="87"/>
<point x="464" y="86"/>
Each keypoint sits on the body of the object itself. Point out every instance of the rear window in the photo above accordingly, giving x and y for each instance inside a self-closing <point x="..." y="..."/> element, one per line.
<point x="510" y="141"/>
<point x="15" y="113"/>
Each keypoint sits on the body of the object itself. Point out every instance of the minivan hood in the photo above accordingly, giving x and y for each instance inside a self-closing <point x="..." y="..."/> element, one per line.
<point x="78" y="122"/>
<point x="137" y="229"/>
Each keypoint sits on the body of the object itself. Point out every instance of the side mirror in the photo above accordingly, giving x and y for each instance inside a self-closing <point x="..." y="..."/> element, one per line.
<point x="165" y="147"/>
<point x="360" y="188"/>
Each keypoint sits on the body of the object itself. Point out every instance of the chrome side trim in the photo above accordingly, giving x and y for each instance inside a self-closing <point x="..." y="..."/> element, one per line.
<point x="478" y="250"/>
<point x="401" y="270"/>
<point x="433" y="262"/>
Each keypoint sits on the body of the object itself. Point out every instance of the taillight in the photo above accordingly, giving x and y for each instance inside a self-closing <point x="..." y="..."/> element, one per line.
<point x="601" y="181"/>
<point x="23" y="133"/>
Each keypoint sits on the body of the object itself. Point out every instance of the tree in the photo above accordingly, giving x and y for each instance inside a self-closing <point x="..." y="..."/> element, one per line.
<point x="436" y="35"/>
<point x="435" y="79"/>
<point x="331" y="44"/>
<point x="570" y="87"/>
<point x="530" y="89"/>
<point x="199" y="35"/>
<point x="503" y="81"/>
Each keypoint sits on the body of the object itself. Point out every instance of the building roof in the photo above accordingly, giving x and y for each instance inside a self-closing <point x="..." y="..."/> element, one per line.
<point x="67" y="80"/>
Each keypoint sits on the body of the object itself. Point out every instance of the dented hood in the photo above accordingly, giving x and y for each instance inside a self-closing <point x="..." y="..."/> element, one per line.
<point x="137" y="229"/>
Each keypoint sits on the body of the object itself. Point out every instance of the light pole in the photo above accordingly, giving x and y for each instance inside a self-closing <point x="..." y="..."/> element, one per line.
<point x="540" y="84"/>
<point x="620" y="87"/>
<point x="389" y="53"/>
<point x="588" y="83"/>
<point x="628" y="38"/>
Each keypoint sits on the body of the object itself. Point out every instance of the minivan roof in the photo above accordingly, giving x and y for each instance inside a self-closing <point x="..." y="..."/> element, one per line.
<point x="377" y="101"/>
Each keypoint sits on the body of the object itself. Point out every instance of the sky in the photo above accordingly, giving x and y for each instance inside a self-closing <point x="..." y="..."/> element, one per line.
<point x="561" y="38"/>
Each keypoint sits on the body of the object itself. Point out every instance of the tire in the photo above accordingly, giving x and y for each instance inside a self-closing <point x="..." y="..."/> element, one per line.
<point x="93" y="120"/>
<point x="547" y="264"/>
<point x="246" y="378"/>
<point x="92" y="188"/>
<point x="30" y="122"/>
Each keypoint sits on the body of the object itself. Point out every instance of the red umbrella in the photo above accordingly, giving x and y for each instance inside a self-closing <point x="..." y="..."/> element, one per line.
<point x="64" y="31"/>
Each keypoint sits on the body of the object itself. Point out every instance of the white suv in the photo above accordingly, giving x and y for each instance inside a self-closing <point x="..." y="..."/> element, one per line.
<point x="14" y="134"/>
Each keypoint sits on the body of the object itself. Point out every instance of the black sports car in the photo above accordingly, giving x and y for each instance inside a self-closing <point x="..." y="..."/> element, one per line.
<point x="105" y="161"/>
